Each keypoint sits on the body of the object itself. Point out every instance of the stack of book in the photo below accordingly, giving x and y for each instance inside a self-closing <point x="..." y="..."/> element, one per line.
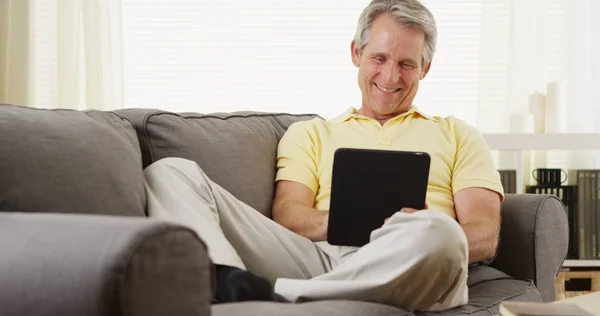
<point x="582" y="205"/>
<point x="588" y="220"/>
<point x="509" y="181"/>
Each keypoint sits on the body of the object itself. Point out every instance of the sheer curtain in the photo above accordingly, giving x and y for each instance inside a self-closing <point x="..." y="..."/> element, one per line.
<point x="540" y="52"/>
<point x="15" y="62"/>
<point x="61" y="54"/>
<point x="279" y="55"/>
<point x="293" y="56"/>
<point x="533" y="44"/>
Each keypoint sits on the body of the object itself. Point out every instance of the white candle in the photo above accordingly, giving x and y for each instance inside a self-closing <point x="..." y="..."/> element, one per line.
<point x="537" y="104"/>
<point x="555" y="108"/>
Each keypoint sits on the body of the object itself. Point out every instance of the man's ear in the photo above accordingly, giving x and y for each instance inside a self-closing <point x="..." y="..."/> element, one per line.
<point x="355" y="54"/>
<point x="425" y="71"/>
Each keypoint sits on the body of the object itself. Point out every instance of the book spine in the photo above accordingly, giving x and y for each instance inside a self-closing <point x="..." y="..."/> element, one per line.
<point x="512" y="180"/>
<point x="597" y="217"/>
<point x="592" y="211"/>
<point x="581" y="212"/>
<point x="588" y="204"/>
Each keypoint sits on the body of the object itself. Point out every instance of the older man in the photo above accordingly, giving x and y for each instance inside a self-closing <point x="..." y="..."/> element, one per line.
<point x="418" y="259"/>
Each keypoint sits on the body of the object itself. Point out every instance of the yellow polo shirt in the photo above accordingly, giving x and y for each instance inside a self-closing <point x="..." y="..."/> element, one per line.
<point x="460" y="157"/>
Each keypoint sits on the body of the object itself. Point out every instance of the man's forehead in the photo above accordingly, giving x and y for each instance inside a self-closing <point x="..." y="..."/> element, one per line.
<point x="389" y="42"/>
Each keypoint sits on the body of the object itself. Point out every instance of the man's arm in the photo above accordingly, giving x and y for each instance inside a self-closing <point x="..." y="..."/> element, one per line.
<point x="478" y="212"/>
<point x="293" y="209"/>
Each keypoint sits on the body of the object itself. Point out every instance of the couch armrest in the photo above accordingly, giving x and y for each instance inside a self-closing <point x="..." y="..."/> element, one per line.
<point x="533" y="240"/>
<point x="73" y="265"/>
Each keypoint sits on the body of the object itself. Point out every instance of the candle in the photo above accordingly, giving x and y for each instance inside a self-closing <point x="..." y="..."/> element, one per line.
<point x="537" y="104"/>
<point x="555" y="108"/>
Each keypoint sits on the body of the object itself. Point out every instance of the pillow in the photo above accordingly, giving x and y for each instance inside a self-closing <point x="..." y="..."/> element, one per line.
<point x="237" y="150"/>
<point x="66" y="161"/>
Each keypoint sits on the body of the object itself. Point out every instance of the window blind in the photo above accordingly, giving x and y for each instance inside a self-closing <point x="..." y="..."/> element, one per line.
<point x="280" y="55"/>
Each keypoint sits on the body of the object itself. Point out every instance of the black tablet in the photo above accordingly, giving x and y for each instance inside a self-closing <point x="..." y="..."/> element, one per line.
<point x="369" y="186"/>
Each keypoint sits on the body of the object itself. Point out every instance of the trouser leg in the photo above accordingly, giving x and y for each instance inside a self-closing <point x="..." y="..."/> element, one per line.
<point x="235" y="234"/>
<point x="416" y="261"/>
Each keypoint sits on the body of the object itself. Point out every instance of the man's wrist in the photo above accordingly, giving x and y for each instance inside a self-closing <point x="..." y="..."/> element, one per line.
<point x="324" y="224"/>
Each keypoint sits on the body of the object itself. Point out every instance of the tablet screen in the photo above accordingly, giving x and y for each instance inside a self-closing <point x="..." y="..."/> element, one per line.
<point x="369" y="186"/>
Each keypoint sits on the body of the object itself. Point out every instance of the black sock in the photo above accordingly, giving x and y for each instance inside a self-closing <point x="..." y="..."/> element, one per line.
<point x="237" y="285"/>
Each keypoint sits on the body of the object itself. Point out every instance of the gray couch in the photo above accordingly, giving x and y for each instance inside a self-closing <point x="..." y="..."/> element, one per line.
<point x="74" y="239"/>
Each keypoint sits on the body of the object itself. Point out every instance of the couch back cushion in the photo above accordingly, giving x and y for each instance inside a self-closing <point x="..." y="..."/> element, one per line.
<point x="237" y="150"/>
<point x="65" y="161"/>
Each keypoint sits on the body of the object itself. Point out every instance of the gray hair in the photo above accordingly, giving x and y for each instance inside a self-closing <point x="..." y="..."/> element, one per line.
<point x="410" y="13"/>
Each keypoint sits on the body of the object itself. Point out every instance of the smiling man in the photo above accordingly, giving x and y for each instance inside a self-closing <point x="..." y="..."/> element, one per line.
<point x="418" y="259"/>
<point x="390" y="65"/>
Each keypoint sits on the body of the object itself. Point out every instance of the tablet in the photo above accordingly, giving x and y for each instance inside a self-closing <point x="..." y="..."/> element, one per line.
<point x="368" y="186"/>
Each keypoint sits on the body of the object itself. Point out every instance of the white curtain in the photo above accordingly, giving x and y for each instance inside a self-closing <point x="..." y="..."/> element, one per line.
<point x="540" y="53"/>
<point x="539" y="47"/>
<point x="293" y="56"/>
<point x="61" y="53"/>
<point x="15" y="62"/>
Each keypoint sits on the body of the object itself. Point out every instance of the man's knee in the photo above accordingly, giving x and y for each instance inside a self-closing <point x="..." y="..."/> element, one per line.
<point x="170" y="165"/>
<point x="445" y="240"/>
<point x="174" y="162"/>
<point x="180" y="168"/>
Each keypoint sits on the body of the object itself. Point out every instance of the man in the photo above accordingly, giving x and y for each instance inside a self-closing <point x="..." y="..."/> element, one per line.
<point x="418" y="259"/>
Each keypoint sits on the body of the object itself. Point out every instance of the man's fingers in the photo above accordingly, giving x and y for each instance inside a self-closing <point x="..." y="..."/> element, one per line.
<point x="408" y="210"/>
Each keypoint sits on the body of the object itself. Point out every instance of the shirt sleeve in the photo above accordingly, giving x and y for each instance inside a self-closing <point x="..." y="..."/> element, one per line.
<point x="473" y="165"/>
<point x="296" y="156"/>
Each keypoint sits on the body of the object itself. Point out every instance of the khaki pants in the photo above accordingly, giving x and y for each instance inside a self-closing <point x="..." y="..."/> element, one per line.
<point x="415" y="261"/>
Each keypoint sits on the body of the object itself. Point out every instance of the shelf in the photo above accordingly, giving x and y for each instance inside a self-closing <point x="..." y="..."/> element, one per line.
<point x="533" y="141"/>
<point x="581" y="263"/>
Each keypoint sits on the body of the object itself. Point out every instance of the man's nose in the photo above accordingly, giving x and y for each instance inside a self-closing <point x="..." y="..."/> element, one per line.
<point x="392" y="74"/>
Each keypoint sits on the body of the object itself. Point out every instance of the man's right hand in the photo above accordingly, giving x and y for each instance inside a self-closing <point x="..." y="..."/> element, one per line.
<point x="408" y="210"/>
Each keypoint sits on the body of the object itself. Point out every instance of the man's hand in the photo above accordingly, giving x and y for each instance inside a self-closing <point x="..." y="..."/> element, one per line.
<point x="408" y="210"/>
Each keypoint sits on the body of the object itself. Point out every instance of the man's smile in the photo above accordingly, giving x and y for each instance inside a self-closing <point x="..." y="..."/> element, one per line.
<point x="386" y="90"/>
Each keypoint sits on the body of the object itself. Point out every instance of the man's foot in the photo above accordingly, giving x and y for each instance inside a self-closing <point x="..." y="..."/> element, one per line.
<point x="237" y="285"/>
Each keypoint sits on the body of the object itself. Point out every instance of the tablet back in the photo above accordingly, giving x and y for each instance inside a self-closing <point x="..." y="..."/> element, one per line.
<point x="369" y="186"/>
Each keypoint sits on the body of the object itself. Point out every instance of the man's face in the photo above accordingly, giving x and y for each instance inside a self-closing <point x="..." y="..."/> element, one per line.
<point x="389" y="68"/>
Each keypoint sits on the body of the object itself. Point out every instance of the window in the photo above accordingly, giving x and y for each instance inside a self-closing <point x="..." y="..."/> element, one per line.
<point x="280" y="55"/>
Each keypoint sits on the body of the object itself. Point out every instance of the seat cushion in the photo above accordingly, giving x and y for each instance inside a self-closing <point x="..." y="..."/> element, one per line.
<point x="487" y="288"/>
<point x="324" y="308"/>
<point x="236" y="150"/>
<point x="65" y="161"/>
<point x="484" y="298"/>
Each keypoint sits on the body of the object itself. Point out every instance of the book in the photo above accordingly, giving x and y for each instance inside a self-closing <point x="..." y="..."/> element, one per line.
<point x="510" y="308"/>
<point x="509" y="181"/>
<point x="581" y="210"/>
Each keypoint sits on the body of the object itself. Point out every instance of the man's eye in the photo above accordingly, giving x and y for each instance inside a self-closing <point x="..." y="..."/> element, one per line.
<point x="407" y="66"/>
<point x="380" y="60"/>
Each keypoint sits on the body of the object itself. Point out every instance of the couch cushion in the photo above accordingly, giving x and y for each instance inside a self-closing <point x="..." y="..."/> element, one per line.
<point x="484" y="298"/>
<point x="487" y="288"/>
<point x="236" y="150"/>
<point x="67" y="161"/>
<point x="483" y="301"/>
<point x="325" y="308"/>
